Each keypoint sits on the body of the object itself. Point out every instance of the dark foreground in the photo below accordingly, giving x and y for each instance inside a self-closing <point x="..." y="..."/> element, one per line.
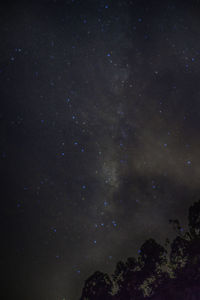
<point x="170" y="272"/>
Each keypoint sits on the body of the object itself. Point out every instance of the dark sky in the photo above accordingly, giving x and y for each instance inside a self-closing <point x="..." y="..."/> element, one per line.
<point x="100" y="135"/>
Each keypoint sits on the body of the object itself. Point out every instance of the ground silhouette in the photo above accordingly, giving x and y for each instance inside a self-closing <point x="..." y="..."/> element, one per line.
<point x="156" y="274"/>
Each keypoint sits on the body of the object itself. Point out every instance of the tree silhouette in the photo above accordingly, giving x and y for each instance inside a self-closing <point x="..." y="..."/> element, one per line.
<point x="152" y="256"/>
<point x="128" y="280"/>
<point x="155" y="274"/>
<point x="97" y="287"/>
<point x="152" y="259"/>
<point x="194" y="220"/>
<point x="185" y="261"/>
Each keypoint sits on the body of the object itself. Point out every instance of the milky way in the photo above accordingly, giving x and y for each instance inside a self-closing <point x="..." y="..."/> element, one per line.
<point x="99" y="137"/>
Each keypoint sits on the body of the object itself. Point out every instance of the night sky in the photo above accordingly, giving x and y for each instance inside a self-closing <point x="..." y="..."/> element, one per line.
<point x="100" y="135"/>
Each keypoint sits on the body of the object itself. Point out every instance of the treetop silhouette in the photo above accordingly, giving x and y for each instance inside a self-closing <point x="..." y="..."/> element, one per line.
<point x="156" y="273"/>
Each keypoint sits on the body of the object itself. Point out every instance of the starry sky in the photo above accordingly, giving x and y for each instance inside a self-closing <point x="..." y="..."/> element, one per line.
<point x="100" y="135"/>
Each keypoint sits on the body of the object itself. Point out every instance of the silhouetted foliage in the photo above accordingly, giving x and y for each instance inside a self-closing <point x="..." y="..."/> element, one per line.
<point x="97" y="287"/>
<point x="152" y="256"/>
<point x="194" y="219"/>
<point x="128" y="279"/>
<point x="155" y="274"/>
